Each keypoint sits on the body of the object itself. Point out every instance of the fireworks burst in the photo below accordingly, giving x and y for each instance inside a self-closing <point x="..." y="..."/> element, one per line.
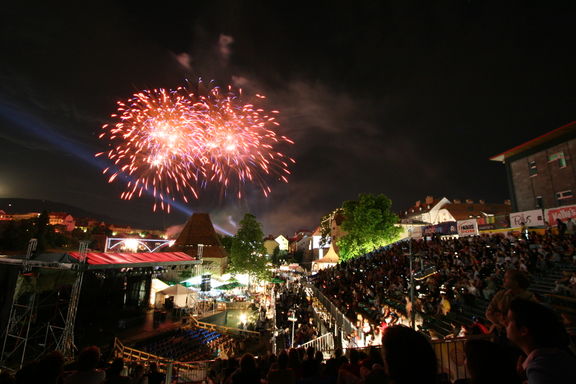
<point x="172" y="142"/>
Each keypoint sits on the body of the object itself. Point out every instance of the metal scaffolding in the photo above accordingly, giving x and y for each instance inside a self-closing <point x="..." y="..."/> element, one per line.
<point x="66" y="343"/>
<point x="20" y="318"/>
<point x="26" y="336"/>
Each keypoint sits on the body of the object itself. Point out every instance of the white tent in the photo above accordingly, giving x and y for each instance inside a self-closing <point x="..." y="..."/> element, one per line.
<point x="330" y="260"/>
<point x="157" y="286"/>
<point x="183" y="297"/>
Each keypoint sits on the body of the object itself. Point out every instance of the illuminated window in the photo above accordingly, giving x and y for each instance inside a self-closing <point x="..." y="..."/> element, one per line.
<point x="563" y="197"/>
<point x="558" y="156"/>
<point x="532" y="168"/>
<point x="539" y="203"/>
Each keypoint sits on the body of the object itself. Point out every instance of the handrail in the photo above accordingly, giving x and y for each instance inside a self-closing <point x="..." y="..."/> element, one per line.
<point x="223" y="328"/>
<point x="321" y="343"/>
<point x="341" y="319"/>
<point x="190" y="371"/>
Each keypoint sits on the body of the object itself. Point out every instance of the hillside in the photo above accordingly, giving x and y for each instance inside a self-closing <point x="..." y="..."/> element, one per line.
<point x="18" y="205"/>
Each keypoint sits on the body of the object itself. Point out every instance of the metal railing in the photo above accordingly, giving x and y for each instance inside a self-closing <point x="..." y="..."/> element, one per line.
<point x="182" y="372"/>
<point x="322" y="343"/>
<point x="223" y="329"/>
<point x="342" y="322"/>
<point x="451" y="357"/>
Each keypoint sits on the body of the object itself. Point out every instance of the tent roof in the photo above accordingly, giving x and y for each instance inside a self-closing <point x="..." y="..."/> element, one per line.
<point x="104" y="260"/>
<point x="177" y="289"/>
<point x="331" y="256"/>
<point x="199" y="230"/>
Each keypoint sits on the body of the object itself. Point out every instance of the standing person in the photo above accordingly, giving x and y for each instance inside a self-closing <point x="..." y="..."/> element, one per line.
<point x="570" y="226"/>
<point x="524" y="230"/>
<point x="540" y="334"/>
<point x="561" y="227"/>
<point x="516" y="285"/>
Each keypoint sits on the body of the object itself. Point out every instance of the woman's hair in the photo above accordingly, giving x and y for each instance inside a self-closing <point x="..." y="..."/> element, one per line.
<point x="408" y="356"/>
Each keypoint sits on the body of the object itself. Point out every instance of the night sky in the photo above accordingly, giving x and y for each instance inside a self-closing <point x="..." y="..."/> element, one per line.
<point x="405" y="98"/>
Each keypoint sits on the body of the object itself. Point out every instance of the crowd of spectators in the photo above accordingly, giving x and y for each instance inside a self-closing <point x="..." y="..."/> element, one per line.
<point x="292" y="302"/>
<point x="451" y="274"/>
<point x="538" y="353"/>
<point x="88" y="369"/>
<point x="306" y="365"/>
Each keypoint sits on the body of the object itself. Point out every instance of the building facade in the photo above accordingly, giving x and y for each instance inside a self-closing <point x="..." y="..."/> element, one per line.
<point x="541" y="173"/>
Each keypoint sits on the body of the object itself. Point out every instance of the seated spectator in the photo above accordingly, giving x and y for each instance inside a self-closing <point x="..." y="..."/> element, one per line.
<point x="154" y="375"/>
<point x="490" y="363"/>
<point x="6" y="378"/>
<point x="540" y="334"/>
<point x="46" y="370"/>
<point x="515" y="286"/>
<point x="139" y="375"/>
<point x="114" y="373"/>
<point x="247" y="373"/>
<point x="87" y="372"/>
<point x="282" y="374"/>
<point x="408" y="356"/>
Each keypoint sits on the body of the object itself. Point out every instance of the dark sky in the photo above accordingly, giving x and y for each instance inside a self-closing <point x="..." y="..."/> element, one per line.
<point x="405" y="98"/>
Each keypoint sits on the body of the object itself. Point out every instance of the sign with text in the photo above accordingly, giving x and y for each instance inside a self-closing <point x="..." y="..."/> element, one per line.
<point x="467" y="227"/>
<point x="533" y="218"/>
<point x="562" y="213"/>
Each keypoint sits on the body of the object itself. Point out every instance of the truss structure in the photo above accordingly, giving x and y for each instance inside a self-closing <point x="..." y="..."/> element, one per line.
<point x="26" y="335"/>
<point x="116" y="244"/>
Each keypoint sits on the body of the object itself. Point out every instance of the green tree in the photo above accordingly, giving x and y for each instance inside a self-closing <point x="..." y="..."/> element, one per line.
<point x="42" y="230"/>
<point x="227" y="243"/>
<point x="247" y="250"/>
<point x="368" y="224"/>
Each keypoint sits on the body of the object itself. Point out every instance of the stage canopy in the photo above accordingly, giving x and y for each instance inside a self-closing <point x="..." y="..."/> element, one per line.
<point x="104" y="260"/>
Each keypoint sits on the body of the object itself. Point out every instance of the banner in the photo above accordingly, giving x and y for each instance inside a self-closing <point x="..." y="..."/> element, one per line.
<point x="562" y="213"/>
<point x="417" y="232"/>
<point x="495" y="222"/>
<point x="467" y="228"/>
<point x="446" y="228"/>
<point x="533" y="218"/>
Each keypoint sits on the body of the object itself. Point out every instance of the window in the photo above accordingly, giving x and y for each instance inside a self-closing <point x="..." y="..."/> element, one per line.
<point x="532" y="169"/>
<point x="563" y="197"/>
<point x="558" y="156"/>
<point x="539" y="202"/>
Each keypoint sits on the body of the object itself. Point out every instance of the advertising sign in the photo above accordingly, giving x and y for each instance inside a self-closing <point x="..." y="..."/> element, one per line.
<point x="417" y="232"/>
<point x="467" y="227"/>
<point x="533" y="218"/>
<point x="562" y="213"/>
<point x="446" y="228"/>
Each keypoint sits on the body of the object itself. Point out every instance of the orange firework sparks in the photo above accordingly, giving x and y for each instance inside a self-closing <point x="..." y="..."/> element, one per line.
<point x="169" y="142"/>
<point x="239" y="142"/>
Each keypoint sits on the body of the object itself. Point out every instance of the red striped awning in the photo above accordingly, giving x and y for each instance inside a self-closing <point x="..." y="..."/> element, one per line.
<point x="112" y="258"/>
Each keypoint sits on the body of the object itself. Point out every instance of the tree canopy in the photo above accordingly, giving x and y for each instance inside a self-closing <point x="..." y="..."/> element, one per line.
<point x="247" y="250"/>
<point x="368" y="224"/>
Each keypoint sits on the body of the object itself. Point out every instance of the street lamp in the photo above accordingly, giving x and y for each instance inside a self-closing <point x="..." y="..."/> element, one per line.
<point x="293" y="319"/>
<point x="412" y="313"/>
<point x="243" y="320"/>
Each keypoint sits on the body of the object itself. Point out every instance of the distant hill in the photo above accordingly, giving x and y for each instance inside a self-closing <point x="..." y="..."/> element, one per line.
<point x="17" y="205"/>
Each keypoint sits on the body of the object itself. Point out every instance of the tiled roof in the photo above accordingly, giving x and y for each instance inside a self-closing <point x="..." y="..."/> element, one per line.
<point x="199" y="230"/>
